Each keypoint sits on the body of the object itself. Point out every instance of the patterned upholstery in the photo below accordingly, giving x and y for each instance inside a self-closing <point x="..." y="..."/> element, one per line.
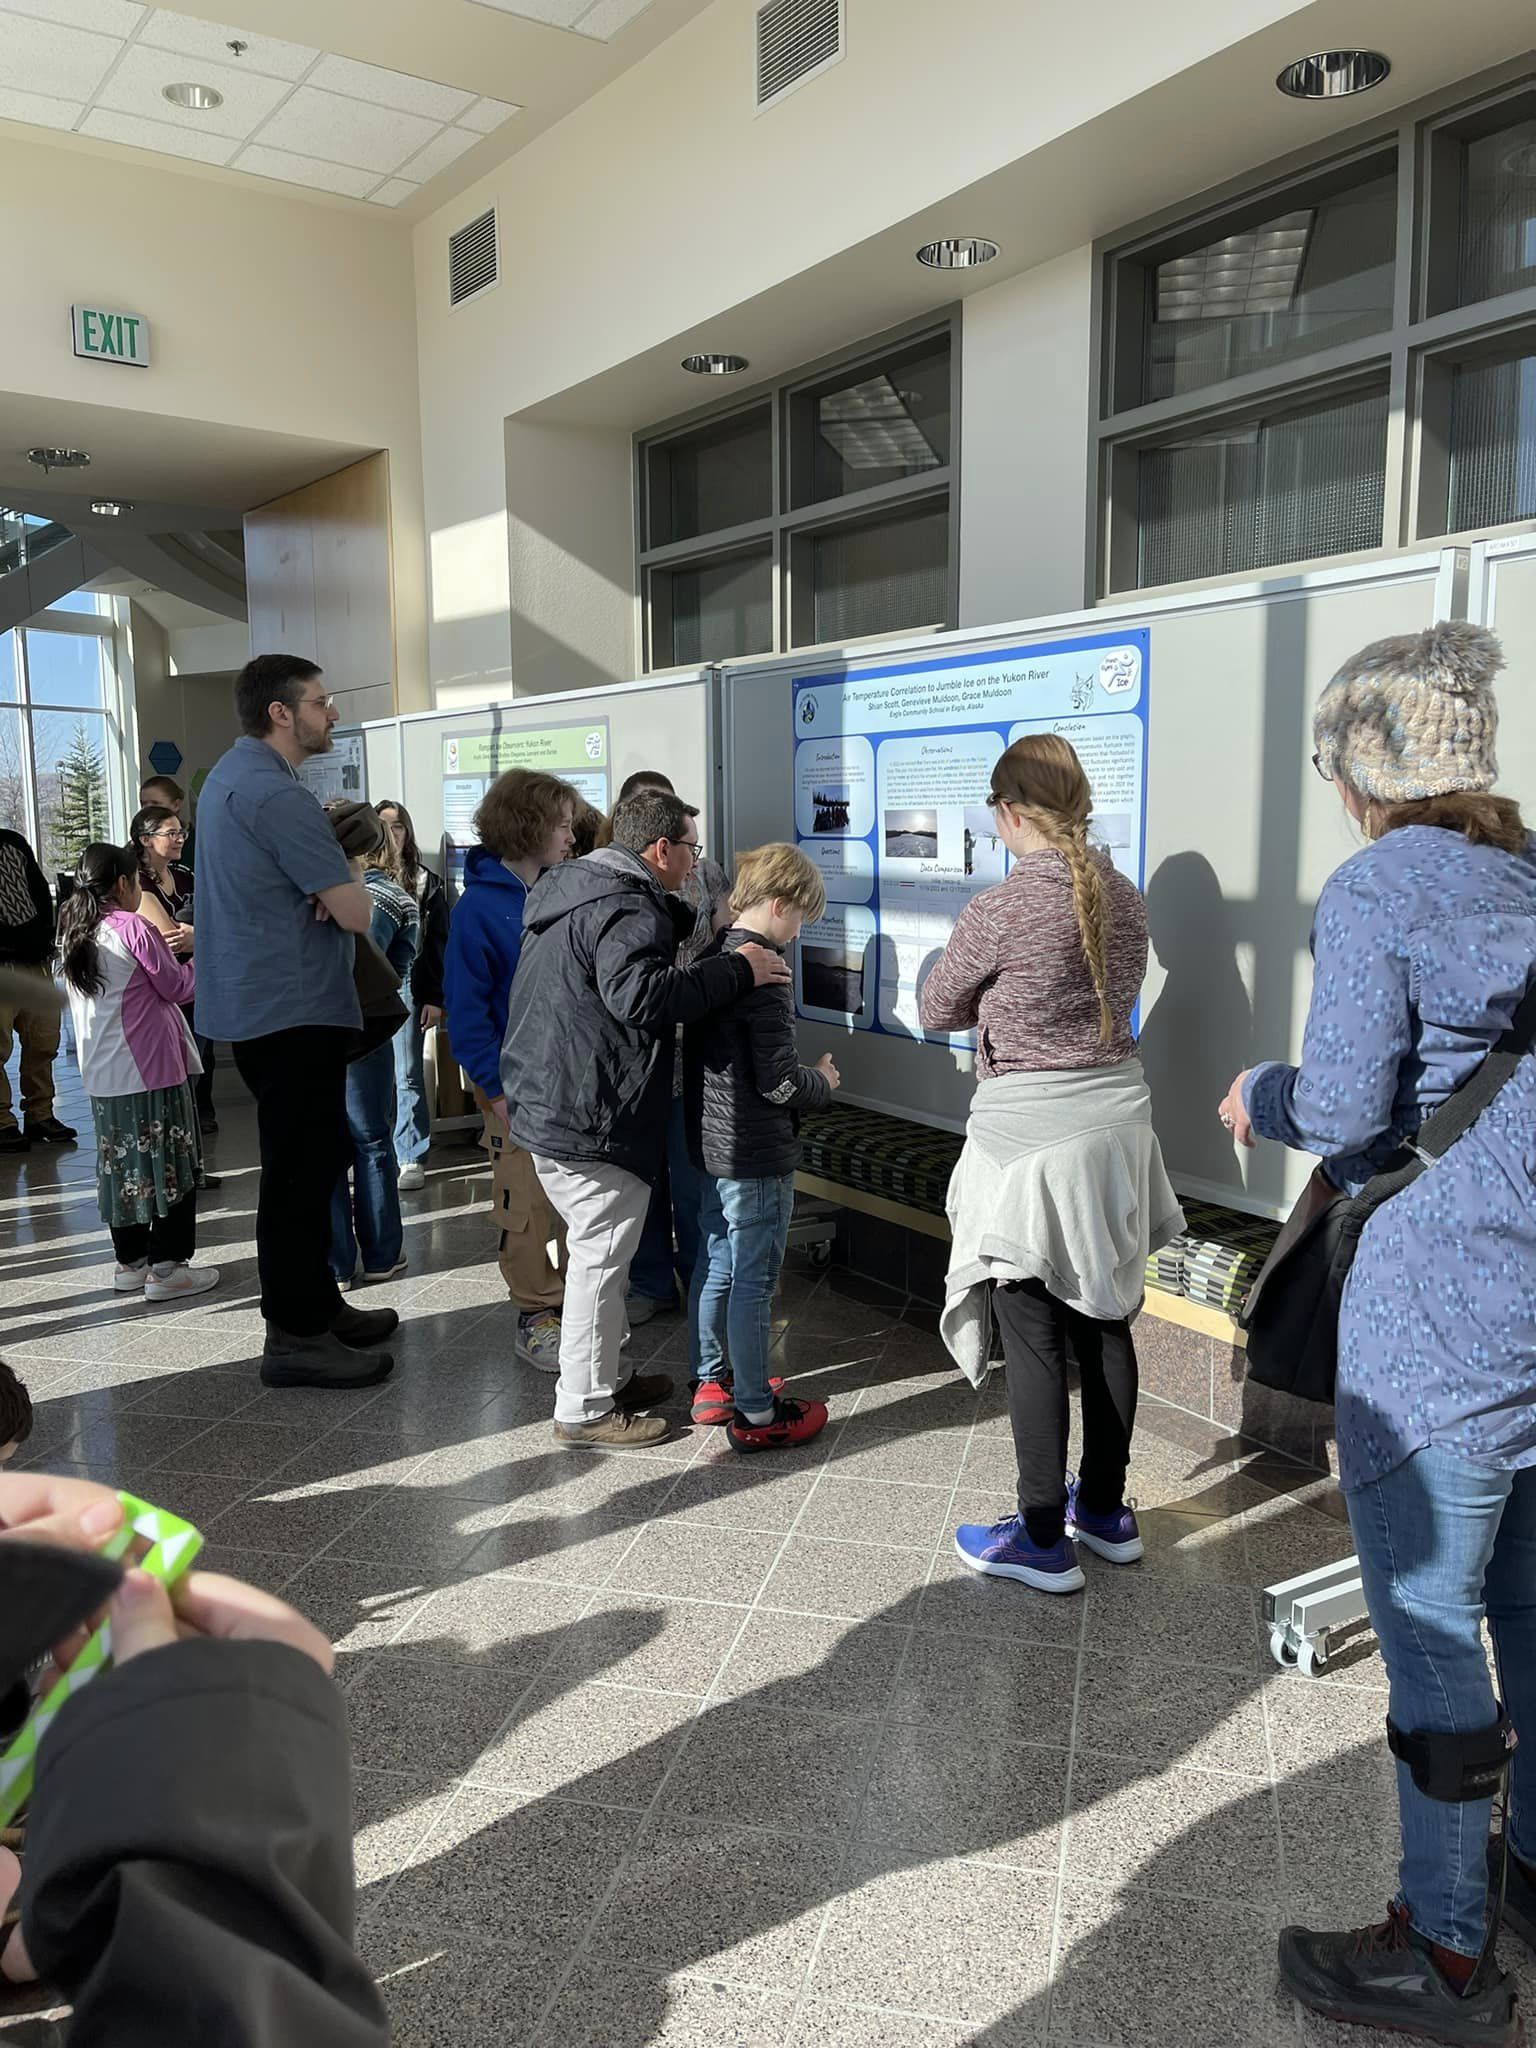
<point x="1214" y="1263"/>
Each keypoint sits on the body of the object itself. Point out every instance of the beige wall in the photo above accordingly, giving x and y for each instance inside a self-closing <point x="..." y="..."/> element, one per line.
<point x="195" y="710"/>
<point x="571" y="546"/>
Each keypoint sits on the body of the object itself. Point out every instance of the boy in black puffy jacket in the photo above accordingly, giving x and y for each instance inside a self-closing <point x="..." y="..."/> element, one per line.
<point x="744" y="1087"/>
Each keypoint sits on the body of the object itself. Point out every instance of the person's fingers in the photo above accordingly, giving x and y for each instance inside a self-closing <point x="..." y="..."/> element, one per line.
<point x="15" y="1964"/>
<point x="43" y="1509"/>
<point x="142" y="1618"/>
<point x="217" y="1606"/>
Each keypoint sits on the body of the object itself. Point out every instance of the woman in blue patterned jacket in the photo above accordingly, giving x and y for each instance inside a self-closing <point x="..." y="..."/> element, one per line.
<point x="1423" y="946"/>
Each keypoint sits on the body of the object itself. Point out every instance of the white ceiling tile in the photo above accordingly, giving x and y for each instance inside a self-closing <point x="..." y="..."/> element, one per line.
<point x="294" y="169"/>
<point x="609" y="16"/>
<point x="140" y="134"/>
<point x="440" y="152"/>
<point x="210" y="40"/>
<point x="343" y="131"/>
<point x="135" y="87"/>
<point x="554" y="13"/>
<point x="108" y="17"/>
<point x="39" y="110"/>
<point x="390" y="89"/>
<point x="393" y="191"/>
<point x="60" y="63"/>
<point x="486" y="115"/>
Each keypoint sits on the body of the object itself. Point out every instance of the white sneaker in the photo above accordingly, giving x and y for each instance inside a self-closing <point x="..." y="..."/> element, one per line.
<point x="538" y="1339"/>
<point x="131" y="1279"/>
<point x="412" y="1177"/>
<point x="176" y="1283"/>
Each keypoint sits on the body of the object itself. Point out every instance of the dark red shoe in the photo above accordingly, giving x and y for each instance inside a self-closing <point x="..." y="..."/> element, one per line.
<point x="794" y="1422"/>
<point x="714" y="1401"/>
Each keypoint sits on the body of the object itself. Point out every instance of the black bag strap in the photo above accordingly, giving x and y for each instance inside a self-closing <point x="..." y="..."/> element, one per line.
<point x="1459" y="1112"/>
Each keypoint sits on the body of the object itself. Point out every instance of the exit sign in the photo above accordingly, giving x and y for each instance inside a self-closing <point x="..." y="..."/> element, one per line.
<point x="107" y="337"/>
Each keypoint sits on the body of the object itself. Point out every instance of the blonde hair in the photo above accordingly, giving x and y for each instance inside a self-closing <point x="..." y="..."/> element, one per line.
<point x="1042" y="778"/>
<point x="782" y="872"/>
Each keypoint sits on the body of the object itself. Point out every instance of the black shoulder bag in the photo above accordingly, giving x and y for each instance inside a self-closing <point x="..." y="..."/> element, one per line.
<point x="1292" y="1311"/>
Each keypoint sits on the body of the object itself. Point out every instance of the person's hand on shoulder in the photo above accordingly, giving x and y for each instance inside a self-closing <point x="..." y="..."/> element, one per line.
<point x="768" y="967"/>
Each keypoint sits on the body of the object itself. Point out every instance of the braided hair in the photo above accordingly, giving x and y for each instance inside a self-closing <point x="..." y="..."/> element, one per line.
<point x="1041" y="776"/>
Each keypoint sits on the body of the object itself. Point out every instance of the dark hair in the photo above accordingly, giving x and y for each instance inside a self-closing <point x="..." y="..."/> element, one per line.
<point x="1478" y="815"/>
<point x="645" y="778"/>
<point x="586" y="827"/>
<point x="15" y="1408"/>
<point x="145" y="824"/>
<point x="172" y="789"/>
<point x="639" y="821"/>
<point x="520" y="810"/>
<point x="410" y="852"/>
<point x="97" y="873"/>
<point x="267" y="680"/>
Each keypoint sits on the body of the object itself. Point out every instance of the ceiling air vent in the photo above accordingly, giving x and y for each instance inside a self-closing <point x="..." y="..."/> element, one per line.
<point x="795" y="40"/>
<point x="472" y="259"/>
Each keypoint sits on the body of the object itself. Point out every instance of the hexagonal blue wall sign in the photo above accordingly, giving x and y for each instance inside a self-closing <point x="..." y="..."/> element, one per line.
<point x="165" y="757"/>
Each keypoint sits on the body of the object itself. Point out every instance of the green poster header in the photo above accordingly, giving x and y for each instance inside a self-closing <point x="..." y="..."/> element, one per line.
<point x="556" y="749"/>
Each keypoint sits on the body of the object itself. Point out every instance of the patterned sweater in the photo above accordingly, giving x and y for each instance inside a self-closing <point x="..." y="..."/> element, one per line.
<point x="1014" y="967"/>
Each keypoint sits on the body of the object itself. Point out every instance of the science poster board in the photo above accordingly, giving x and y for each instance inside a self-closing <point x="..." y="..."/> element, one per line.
<point x="892" y="769"/>
<point x="342" y="771"/>
<point x="577" y="751"/>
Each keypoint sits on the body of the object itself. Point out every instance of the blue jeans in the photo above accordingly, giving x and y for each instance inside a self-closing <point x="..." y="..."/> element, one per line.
<point x="656" y="1270"/>
<point x="413" y="1114"/>
<point x="375" y="1196"/>
<point x="745" y="1224"/>
<point x="1439" y="1539"/>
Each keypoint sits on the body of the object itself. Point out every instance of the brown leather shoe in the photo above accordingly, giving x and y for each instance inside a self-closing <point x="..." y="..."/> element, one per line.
<point x="614" y="1431"/>
<point x="643" y="1390"/>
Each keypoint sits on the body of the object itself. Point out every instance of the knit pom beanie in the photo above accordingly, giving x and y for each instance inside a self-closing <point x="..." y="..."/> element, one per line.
<point x="1414" y="716"/>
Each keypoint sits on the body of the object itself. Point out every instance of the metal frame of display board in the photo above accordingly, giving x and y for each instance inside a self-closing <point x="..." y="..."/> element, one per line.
<point x="1486" y="559"/>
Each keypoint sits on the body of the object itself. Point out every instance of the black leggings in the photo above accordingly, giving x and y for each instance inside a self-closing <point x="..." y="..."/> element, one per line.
<point x="1039" y="1335"/>
<point x="167" y="1241"/>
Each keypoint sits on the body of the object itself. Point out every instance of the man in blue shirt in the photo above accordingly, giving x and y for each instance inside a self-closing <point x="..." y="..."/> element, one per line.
<point x="277" y="907"/>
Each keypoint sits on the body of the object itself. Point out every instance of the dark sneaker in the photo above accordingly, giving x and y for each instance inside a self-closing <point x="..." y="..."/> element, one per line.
<point x="643" y="1390"/>
<point x="207" y="1122"/>
<point x="49" y="1131"/>
<point x="641" y="1308"/>
<point x="323" y="1361"/>
<point x="616" y="1431"/>
<point x="1115" y="1535"/>
<point x="1388" y="1977"/>
<point x="363" y="1328"/>
<point x="13" y="1140"/>
<point x="794" y="1422"/>
<point x="714" y="1401"/>
<point x="1004" y="1551"/>
<point x="1519" y="1896"/>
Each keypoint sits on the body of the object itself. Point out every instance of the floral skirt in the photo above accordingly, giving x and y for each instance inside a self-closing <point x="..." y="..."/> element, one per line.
<point x="149" y="1153"/>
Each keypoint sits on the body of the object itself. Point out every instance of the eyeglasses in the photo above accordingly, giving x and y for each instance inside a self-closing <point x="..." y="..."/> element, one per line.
<point x="318" y="703"/>
<point x="1317" y="763"/>
<point x="168" y="832"/>
<point x="695" y="847"/>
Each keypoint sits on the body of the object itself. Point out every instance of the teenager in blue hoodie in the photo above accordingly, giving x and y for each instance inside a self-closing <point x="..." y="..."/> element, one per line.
<point x="524" y="826"/>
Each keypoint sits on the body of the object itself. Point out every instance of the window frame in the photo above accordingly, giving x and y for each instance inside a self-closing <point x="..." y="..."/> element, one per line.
<point x="114" y="709"/>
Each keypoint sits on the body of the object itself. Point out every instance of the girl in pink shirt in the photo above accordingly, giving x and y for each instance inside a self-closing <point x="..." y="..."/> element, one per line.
<point x="136" y="1055"/>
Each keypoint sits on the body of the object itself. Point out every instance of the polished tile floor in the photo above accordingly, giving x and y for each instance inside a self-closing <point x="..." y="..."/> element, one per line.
<point x="679" y="1748"/>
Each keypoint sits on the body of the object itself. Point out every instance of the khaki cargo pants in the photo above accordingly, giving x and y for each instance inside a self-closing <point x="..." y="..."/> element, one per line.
<point x="38" y="1031"/>
<point x="531" y="1238"/>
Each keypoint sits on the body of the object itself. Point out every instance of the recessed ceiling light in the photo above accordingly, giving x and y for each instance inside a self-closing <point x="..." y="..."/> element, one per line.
<point x="110" y="508"/>
<point x="715" y="365"/>
<point x="198" y="99"/>
<point x="958" y="252"/>
<point x="1333" y="74"/>
<point x="59" y="458"/>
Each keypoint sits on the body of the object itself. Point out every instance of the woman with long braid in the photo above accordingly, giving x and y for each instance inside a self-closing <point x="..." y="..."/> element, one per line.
<point x="1059" y="1196"/>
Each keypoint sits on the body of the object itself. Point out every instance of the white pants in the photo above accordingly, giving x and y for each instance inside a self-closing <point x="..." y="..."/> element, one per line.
<point x="603" y="1210"/>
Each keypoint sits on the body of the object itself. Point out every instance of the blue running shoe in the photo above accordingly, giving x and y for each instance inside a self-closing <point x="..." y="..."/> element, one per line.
<point x="1005" y="1552"/>
<point x="1115" y="1535"/>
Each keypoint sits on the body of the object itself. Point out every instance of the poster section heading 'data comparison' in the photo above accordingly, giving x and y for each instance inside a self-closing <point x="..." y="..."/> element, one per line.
<point x="893" y="767"/>
<point x="578" y="753"/>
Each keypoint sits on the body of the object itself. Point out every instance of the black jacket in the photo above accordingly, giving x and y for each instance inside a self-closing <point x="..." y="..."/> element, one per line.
<point x="587" y="1060"/>
<point x="26" y="907"/>
<point x="743" y="1084"/>
<point x="427" y="967"/>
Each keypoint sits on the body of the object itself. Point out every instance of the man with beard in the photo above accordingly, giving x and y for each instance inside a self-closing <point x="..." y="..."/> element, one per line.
<point x="277" y="907"/>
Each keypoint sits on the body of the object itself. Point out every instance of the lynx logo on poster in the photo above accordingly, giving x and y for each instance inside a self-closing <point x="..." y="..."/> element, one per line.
<point x="893" y="767"/>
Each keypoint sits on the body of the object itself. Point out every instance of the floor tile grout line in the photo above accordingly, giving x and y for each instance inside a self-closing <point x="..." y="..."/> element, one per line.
<point x="1066" y="1836"/>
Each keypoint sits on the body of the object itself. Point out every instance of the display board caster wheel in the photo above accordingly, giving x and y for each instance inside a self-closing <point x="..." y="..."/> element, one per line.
<point x="820" y="1256"/>
<point x="1308" y="1655"/>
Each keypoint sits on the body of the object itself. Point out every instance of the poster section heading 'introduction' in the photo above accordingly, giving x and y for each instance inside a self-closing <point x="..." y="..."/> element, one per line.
<point x="341" y="771"/>
<point x="577" y="753"/>
<point x="893" y="768"/>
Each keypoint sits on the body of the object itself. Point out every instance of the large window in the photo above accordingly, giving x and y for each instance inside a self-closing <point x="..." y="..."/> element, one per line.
<point x="1279" y="384"/>
<point x="817" y="511"/>
<point x="63" y="765"/>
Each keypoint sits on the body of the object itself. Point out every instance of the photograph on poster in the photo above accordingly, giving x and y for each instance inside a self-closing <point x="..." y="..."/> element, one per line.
<point x="911" y="835"/>
<point x="833" y="978"/>
<point x="1111" y="829"/>
<point x="831" y="802"/>
<point x="986" y="858"/>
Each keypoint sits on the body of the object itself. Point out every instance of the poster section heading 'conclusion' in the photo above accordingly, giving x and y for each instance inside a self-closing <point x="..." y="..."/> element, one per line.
<point x="577" y="753"/>
<point x="341" y="771"/>
<point x="893" y="767"/>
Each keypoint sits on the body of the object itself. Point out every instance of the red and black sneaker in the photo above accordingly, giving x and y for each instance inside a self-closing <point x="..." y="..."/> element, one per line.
<point x="714" y="1401"/>
<point x="794" y="1422"/>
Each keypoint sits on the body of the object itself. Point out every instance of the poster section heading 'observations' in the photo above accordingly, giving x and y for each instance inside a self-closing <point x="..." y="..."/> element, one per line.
<point x="576" y="753"/>
<point x="893" y="767"/>
<point x="341" y="771"/>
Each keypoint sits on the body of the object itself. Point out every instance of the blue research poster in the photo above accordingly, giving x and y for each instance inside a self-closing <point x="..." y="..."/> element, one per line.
<point x="893" y="766"/>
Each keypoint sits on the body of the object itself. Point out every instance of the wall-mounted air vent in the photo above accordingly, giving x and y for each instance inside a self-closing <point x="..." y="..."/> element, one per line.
<point x="795" y="40"/>
<point x="472" y="259"/>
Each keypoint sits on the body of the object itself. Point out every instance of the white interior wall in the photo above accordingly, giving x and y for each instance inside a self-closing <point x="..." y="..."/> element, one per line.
<point x="571" y="557"/>
<point x="209" y="650"/>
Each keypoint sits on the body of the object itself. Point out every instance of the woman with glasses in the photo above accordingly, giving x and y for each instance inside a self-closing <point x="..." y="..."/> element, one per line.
<point x="1059" y="1196"/>
<point x="157" y="837"/>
